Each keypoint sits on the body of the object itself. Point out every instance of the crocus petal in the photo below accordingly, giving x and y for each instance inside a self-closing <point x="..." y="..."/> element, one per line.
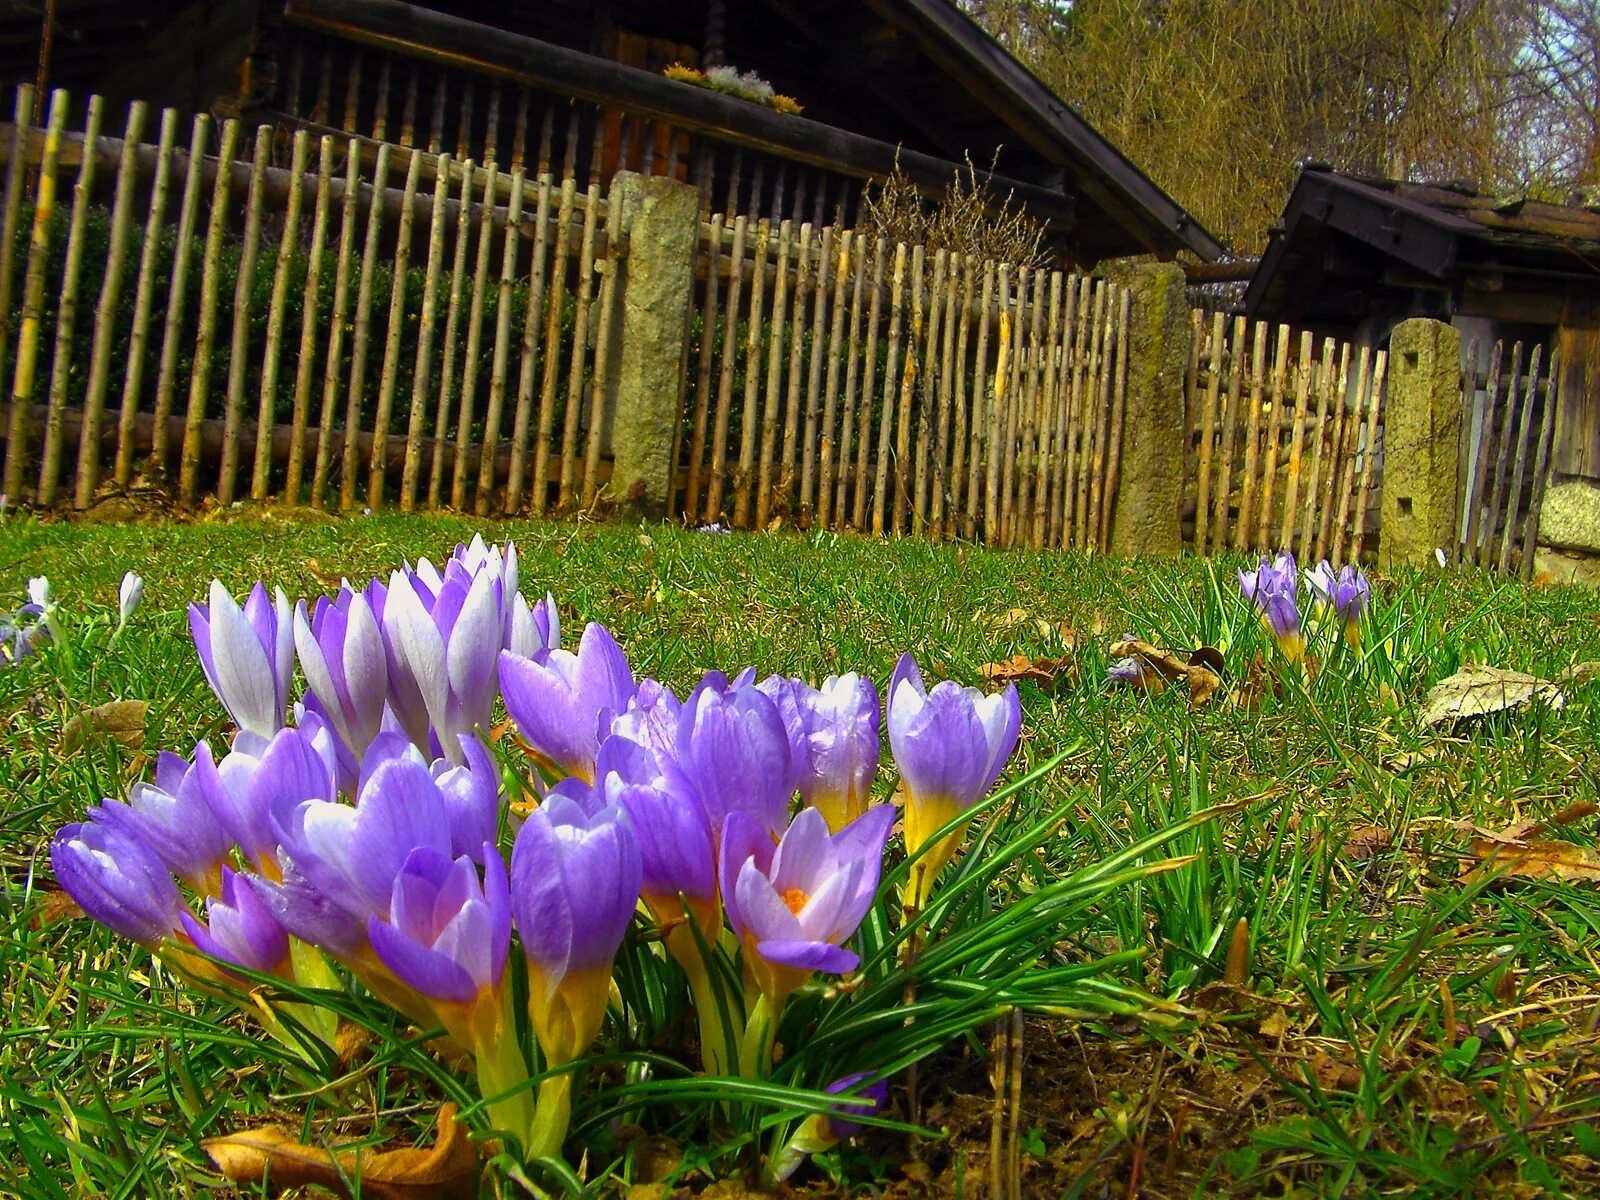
<point x="809" y="956"/>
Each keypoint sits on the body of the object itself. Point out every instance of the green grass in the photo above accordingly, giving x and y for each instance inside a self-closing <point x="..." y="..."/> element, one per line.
<point x="1332" y="1072"/>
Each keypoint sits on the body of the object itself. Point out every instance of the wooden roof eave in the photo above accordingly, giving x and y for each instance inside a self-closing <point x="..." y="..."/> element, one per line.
<point x="1118" y="187"/>
<point x="424" y="33"/>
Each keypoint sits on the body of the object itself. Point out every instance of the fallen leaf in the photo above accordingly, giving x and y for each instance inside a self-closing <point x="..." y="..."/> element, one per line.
<point x="1536" y="859"/>
<point x="54" y="907"/>
<point x="120" y="721"/>
<point x="1202" y="680"/>
<point x="324" y="578"/>
<point x="1333" y="1075"/>
<point x="447" y="1171"/>
<point x="1478" y="690"/>
<point x="1046" y="672"/>
<point x="1365" y="841"/>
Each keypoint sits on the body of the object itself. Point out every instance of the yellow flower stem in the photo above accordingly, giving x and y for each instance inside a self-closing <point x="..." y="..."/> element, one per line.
<point x="502" y="1080"/>
<point x="551" y="1116"/>
<point x="719" y="1050"/>
<point x="760" y="1032"/>
<point x="313" y="970"/>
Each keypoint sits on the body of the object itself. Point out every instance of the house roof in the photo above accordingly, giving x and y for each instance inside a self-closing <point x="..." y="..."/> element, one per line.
<point x="1347" y="242"/>
<point x="918" y="74"/>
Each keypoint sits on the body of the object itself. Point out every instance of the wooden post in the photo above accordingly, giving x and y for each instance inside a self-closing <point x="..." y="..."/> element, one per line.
<point x="16" y="168"/>
<point x="310" y="305"/>
<point x="624" y="392"/>
<point x="288" y="244"/>
<point x="333" y="369"/>
<point x="1096" y="401"/>
<point x="1297" y="444"/>
<point x="960" y="495"/>
<point x="744" y="479"/>
<point x="1208" y="427"/>
<point x="1368" y="455"/>
<point x="531" y="324"/>
<point x="794" y="401"/>
<point x="769" y="418"/>
<point x="869" y="389"/>
<point x="580" y="343"/>
<point x="389" y="373"/>
<point x="1518" y="478"/>
<point x="1244" y="531"/>
<point x="471" y="364"/>
<point x="830" y="402"/>
<point x="1480" y="452"/>
<point x="993" y="527"/>
<point x="362" y="333"/>
<point x="847" y="417"/>
<point x="702" y="390"/>
<point x="1230" y="422"/>
<point x="1541" y="469"/>
<point x="940" y="479"/>
<point x="243" y="293"/>
<point x="106" y="311"/>
<point x="719" y="439"/>
<point x="891" y="377"/>
<point x="979" y="432"/>
<point x="67" y="311"/>
<point x="143" y="296"/>
<point x="819" y="312"/>
<point x="422" y="374"/>
<point x="1352" y="425"/>
<point x="552" y="348"/>
<point x="1498" y="510"/>
<point x="502" y="348"/>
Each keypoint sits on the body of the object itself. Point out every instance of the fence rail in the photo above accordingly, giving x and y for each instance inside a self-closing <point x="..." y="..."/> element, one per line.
<point x="1287" y="439"/>
<point x="1510" y="408"/>
<point x="844" y="384"/>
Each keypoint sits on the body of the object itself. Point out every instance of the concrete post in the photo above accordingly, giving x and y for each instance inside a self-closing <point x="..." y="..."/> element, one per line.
<point x="1422" y="450"/>
<point x="660" y="220"/>
<point x="1145" y="511"/>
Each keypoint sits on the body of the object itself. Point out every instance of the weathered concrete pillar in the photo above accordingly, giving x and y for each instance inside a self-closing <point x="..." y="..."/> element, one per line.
<point x="1422" y="449"/>
<point x="1145" y="510"/>
<point x="660" y="219"/>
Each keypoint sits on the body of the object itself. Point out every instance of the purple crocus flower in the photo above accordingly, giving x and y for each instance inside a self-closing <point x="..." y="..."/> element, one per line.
<point x="677" y="853"/>
<point x="343" y="656"/>
<point x="735" y="748"/>
<point x="949" y="745"/>
<point x="247" y="654"/>
<point x="823" y="1131"/>
<point x="563" y="704"/>
<point x="117" y="880"/>
<point x="443" y="645"/>
<point x="448" y="935"/>
<point x="339" y="862"/>
<point x="794" y="910"/>
<point x="244" y="788"/>
<point x="1273" y="587"/>
<point x="239" y="929"/>
<point x="834" y="736"/>
<point x="171" y="816"/>
<point x="575" y="881"/>
<point x="1347" y="594"/>
<point x="651" y="718"/>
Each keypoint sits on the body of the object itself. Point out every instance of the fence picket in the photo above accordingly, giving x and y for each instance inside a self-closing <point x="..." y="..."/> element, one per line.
<point x="333" y="368"/>
<point x="532" y="317"/>
<point x="552" y="344"/>
<point x="730" y="338"/>
<point x="309" y="308"/>
<point x="1497" y="503"/>
<point x="830" y="404"/>
<point x="774" y="380"/>
<point x="501" y="362"/>
<point x="287" y="244"/>
<point x="422" y="377"/>
<point x="805" y="506"/>
<point x="880" y="489"/>
<point x="362" y="332"/>
<point x="143" y="296"/>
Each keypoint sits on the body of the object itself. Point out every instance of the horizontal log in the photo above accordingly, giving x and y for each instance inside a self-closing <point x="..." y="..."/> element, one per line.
<point x="424" y="33"/>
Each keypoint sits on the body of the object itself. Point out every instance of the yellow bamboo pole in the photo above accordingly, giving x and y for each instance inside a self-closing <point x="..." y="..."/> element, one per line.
<point x="530" y="327"/>
<point x="501" y="364"/>
<point x="362" y="334"/>
<point x="239" y="343"/>
<point x="305" y="364"/>
<point x="333" y="369"/>
<point x="288" y="243"/>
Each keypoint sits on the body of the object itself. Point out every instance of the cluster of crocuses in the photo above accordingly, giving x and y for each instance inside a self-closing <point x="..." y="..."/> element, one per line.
<point x="1274" y="588"/>
<point x="366" y="824"/>
<point x="22" y="631"/>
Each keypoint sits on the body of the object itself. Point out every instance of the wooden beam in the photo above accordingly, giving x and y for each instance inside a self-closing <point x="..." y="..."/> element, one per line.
<point x="423" y="33"/>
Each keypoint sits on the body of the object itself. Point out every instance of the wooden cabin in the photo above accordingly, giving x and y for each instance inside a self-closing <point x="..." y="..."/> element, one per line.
<point x="578" y="88"/>
<point x="1352" y="257"/>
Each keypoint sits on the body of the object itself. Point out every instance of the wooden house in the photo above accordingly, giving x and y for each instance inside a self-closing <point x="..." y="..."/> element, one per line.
<point x="578" y="88"/>
<point x="1353" y="256"/>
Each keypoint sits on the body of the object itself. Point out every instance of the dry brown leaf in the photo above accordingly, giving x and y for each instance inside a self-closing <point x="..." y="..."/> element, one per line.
<point x="1537" y="859"/>
<point x="1478" y="690"/>
<point x="53" y="908"/>
<point x="1202" y="680"/>
<point x="1365" y="841"/>
<point x="323" y="577"/>
<point x="447" y="1171"/>
<point x="1046" y="672"/>
<point x="120" y="721"/>
<point x="1275" y="1024"/>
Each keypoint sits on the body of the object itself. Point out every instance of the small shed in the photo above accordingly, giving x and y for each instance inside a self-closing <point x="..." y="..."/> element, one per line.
<point x="1354" y="256"/>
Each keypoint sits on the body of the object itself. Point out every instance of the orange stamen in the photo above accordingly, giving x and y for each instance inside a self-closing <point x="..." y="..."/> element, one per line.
<point x="796" y="900"/>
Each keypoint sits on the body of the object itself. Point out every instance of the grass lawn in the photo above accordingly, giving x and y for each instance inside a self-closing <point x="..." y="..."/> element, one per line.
<point x="1402" y="1023"/>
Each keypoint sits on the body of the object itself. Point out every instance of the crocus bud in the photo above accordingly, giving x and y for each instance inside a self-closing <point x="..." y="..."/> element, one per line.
<point x="342" y="653"/>
<point x="247" y="654"/>
<point x="949" y="745"/>
<point x="117" y="880"/>
<point x="1273" y="587"/>
<point x="735" y="748"/>
<point x="575" y="882"/>
<point x="240" y="929"/>
<point x="129" y="597"/>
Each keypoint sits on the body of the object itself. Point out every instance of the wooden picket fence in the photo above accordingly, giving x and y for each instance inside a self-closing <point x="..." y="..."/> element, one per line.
<point x="494" y="410"/>
<point x="1287" y="441"/>
<point x="842" y="383"/>
<point x="1510" y="406"/>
